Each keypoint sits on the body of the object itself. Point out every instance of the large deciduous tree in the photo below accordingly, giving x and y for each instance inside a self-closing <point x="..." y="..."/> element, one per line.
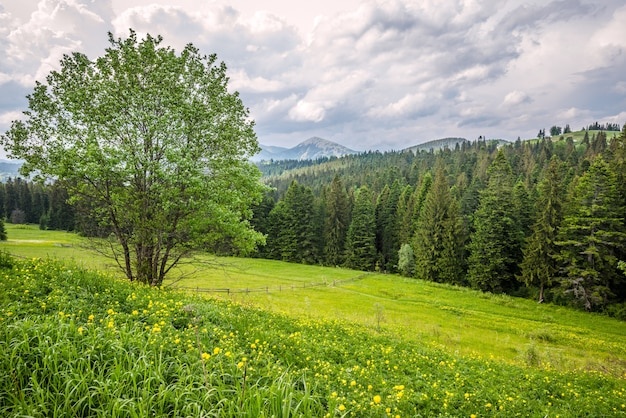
<point x="153" y="143"/>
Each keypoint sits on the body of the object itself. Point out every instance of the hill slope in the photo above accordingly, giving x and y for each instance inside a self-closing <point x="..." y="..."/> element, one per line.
<point x="75" y="342"/>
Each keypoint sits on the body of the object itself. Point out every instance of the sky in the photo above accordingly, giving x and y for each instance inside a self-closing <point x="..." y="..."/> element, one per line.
<point x="368" y="74"/>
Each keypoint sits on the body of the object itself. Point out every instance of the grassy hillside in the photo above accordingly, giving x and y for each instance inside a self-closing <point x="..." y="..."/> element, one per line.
<point x="458" y="320"/>
<point x="74" y="343"/>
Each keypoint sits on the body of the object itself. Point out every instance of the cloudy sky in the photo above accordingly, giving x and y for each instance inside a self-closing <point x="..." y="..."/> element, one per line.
<point x="369" y="74"/>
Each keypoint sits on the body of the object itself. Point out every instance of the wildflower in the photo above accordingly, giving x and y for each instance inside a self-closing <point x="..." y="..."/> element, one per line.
<point x="342" y="407"/>
<point x="80" y="330"/>
<point x="353" y="383"/>
<point x="377" y="399"/>
<point x="217" y="350"/>
<point x="135" y="312"/>
<point x="399" y="387"/>
<point x="91" y="317"/>
<point x="205" y="356"/>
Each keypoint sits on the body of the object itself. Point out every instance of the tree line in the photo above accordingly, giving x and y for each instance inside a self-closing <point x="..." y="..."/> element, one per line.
<point x="23" y="201"/>
<point x="541" y="218"/>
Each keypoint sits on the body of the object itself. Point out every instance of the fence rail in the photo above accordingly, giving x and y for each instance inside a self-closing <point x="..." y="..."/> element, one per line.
<point x="270" y="289"/>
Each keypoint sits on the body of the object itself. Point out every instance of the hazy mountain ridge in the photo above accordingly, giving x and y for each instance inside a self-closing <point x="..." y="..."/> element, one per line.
<point x="311" y="149"/>
<point x="9" y="169"/>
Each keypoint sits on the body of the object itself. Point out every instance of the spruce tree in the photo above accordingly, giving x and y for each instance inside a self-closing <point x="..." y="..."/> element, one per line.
<point x="336" y="223"/>
<point x="591" y="238"/>
<point x="437" y="240"/>
<point x="3" y="231"/>
<point x="539" y="267"/>
<point x="362" y="232"/>
<point x="387" y="226"/>
<point x="299" y="240"/>
<point x="495" y="247"/>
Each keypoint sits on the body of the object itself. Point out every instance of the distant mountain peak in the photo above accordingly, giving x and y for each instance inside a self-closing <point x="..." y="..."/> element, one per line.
<point x="310" y="149"/>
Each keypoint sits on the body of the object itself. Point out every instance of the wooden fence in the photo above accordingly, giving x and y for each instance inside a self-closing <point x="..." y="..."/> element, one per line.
<point x="269" y="289"/>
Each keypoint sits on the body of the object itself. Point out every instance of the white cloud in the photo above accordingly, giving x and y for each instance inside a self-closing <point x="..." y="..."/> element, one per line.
<point x="515" y="98"/>
<point x="305" y="111"/>
<point x="8" y="117"/>
<point x="364" y="72"/>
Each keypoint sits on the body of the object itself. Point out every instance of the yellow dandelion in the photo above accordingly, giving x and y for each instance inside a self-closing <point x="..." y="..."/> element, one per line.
<point x="80" y="330"/>
<point x="377" y="399"/>
<point x="205" y="356"/>
<point x="135" y="312"/>
<point x="342" y="407"/>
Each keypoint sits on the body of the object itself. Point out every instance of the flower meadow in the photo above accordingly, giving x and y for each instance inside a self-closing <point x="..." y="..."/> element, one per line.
<point x="79" y="343"/>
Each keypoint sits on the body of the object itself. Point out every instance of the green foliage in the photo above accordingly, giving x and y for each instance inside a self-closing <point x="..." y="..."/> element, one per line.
<point x="388" y="225"/>
<point x="294" y="226"/>
<point x="591" y="238"/>
<point x="152" y="146"/>
<point x="336" y="222"/>
<point x="539" y="267"/>
<point x="502" y="217"/>
<point x="495" y="246"/>
<point x="76" y="343"/>
<point x="438" y="240"/>
<point x="3" y="231"/>
<point x="406" y="260"/>
<point x="361" y="237"/>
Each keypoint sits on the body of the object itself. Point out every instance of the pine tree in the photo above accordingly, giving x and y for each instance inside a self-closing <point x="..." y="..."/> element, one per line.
<point x="438" y="238"/>
<point x="387" y="226"/>
<point x="591" y="237"/>
<point x="495" y="247"/>
<point x="299" y="239"/>
<point x="404" y="210"/>
<point x="539" y="267"/>
<point x="3" y="231"/>
<point x="336" y="223"/>
<point x="362" y="232"/>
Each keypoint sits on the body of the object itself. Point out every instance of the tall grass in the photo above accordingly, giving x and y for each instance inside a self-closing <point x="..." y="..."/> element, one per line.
<point x="77" y="343"/>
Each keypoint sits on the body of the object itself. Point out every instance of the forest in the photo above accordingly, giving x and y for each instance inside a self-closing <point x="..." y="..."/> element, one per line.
<point x="541" y="218"/>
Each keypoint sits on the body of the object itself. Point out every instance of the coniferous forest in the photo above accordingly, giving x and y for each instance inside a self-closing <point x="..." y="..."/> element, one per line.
<point x="542" y="219"/>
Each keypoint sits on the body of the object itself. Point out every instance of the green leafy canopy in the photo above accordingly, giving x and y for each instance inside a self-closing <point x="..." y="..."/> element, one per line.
<point x="153" y="144"/>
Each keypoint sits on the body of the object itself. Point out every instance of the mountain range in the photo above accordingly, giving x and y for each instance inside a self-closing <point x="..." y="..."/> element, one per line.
<point x="311" y="149"/>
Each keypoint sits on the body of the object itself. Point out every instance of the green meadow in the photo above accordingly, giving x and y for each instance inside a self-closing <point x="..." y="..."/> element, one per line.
<point x="248" y="337"/>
